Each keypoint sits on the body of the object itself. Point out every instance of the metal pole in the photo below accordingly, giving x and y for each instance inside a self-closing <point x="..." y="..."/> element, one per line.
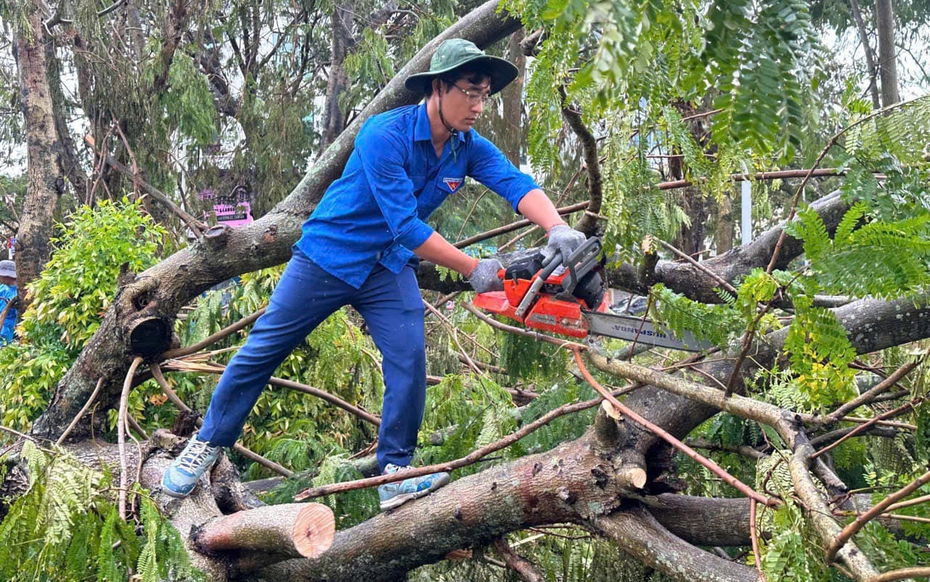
<point x="747" y="212"/>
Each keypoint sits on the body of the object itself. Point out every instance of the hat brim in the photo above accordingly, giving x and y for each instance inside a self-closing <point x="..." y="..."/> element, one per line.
<point x="502" y="73"/>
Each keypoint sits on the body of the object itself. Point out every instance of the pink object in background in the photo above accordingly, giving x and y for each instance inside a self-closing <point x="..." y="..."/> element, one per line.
<point x="233" y="210"/>
<point x="233" y="216"/>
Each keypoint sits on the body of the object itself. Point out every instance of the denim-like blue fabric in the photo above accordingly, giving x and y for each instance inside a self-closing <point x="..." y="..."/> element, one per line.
<point x="374" y="214"/>
<point x="305" y="296"/>
<point x="7" y="294"/>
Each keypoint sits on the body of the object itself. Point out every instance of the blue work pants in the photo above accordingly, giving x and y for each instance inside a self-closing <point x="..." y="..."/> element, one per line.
<point x="305" y="296"/>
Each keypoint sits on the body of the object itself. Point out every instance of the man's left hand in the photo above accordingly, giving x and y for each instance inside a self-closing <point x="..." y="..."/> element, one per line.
<point x="563" y="239"/>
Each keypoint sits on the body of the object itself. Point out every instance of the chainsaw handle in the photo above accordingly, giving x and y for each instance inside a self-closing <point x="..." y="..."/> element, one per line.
<point x="587" y="252"/>
<point x="538" y="281"/>
<point x="581" y="262"/>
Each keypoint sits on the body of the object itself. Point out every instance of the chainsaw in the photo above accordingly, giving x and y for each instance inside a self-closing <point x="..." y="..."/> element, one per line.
<point x="568" y="296"/>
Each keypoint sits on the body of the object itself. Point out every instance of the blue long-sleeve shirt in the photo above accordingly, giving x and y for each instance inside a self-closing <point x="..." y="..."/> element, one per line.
<point x="376" y="212"/>
<point x="7" y="294"/>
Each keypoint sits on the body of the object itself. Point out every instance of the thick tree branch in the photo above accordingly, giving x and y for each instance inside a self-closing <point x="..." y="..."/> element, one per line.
<point x="292" y="530"/>
<point x="588" y="222"/>
<point x="702" y="521"/>
<point x="640" y="535"/>
<point x="178" y="16"/>
<point x="820" y="514"/>
<point x="571" y="483"/>
<point x="526" y="570"/>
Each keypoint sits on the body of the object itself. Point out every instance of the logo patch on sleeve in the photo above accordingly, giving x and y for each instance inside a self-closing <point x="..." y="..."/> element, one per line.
<point x="453" y="183"/>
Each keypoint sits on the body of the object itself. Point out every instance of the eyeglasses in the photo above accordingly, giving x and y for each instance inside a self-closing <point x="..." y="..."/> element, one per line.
<point x="474" y="97"/>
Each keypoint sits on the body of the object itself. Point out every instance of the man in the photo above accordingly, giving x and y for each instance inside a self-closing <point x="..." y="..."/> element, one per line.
<point x="360" y="248"/>
<point x="7" y="300"/>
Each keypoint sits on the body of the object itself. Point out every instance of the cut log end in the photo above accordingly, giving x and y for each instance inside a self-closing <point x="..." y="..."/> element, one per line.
<point x="610" y="410"/>
<point x="290" y="529"/>
<point x="314" y="530"/>
<point x="631" y="469"/>
<point x="633" y="477"/>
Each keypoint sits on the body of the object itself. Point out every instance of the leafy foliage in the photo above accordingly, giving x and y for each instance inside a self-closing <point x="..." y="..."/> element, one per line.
<point x="820" y="355"/>
<point x="67" y="527"/>
<point x="69" y="297"/>
<point x="526" y="358"/>
<point x="901" y="134"/>
<point x="895" y="254"/>
<point x="720" y="323"/>
<point x="79" y="280"/>
<point x="761" y="56"/>
<point x="635" y="207"/>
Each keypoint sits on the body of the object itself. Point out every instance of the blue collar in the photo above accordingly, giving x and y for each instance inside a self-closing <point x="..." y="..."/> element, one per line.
<point x="421" y="130"/>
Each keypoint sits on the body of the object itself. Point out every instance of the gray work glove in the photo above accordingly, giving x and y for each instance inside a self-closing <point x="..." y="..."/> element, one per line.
<point x="563" y="239"/>
<point x="484" y="277"/>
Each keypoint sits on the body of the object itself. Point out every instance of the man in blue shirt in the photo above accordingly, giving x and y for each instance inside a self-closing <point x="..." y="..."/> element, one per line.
<point x="360" y="248"/>
<point x="8" y="300"/>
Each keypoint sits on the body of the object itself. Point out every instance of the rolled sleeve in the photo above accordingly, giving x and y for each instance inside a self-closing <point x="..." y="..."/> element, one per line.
<point x="382" y="159"/>
<point x="489" y="166"/>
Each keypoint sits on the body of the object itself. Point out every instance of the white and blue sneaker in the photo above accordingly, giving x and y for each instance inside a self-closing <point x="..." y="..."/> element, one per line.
<point x="396" y="494"/>
<point x="182" y="476"/>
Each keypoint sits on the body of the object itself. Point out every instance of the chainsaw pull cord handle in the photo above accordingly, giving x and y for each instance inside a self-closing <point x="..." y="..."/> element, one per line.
<point x="548" y="268"/>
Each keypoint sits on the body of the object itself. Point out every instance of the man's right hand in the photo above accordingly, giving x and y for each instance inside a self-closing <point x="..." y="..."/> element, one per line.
<point x="484" y="278"/>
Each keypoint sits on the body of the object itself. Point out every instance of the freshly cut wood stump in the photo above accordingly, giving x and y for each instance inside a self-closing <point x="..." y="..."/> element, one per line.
<point x="293" y="529"/>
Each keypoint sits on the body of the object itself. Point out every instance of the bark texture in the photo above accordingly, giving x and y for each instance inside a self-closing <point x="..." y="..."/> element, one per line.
<point x="639" y="533"/>
<point x="333" y="116"/>
<point x="43" y="180"/>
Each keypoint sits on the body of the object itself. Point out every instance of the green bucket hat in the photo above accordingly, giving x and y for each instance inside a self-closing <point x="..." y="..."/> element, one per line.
<point x="457" y="52"/>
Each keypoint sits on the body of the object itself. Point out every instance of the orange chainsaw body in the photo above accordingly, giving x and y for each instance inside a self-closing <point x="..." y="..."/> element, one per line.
<point x="548" y="313"/>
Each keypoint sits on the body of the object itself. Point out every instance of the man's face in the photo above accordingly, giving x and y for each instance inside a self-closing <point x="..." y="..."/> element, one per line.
<point x="463" y="102"/>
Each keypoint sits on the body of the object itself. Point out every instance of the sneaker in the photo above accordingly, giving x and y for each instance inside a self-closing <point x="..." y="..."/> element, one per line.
<point x="396" y="494"/>
<point x="186" y="470"/>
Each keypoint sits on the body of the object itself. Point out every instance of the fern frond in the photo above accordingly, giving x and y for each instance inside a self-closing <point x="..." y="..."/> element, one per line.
<point x="849" y="222"/>
<point x="809" y="227"/>
<point x="820" y="354"/>
<point x="714" y="323"/>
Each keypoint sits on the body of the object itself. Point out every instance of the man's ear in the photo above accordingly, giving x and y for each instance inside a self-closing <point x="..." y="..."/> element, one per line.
<point x="437" y="86"/>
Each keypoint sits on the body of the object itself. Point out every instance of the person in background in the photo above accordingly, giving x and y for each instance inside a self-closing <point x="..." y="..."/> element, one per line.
<point x="8" y="300"/>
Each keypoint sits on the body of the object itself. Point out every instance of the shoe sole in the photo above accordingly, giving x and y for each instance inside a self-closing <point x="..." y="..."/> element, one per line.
<point x="399" y="500"/>
<point x="175" y="494"/>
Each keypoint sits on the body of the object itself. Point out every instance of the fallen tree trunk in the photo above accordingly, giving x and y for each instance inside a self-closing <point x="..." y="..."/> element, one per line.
<point x="594" y="481"/>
